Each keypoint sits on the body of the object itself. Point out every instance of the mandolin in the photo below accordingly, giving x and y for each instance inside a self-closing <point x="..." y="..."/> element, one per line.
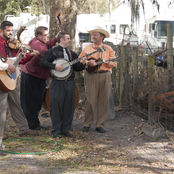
<point x="93" y="69"/>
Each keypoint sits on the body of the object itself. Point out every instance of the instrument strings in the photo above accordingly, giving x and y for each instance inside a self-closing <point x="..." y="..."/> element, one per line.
<point x="21" y="45"/>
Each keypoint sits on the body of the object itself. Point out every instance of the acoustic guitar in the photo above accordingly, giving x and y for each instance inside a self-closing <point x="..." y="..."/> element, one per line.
<point x="7" y="78"/>
<point x="93" y="69"/>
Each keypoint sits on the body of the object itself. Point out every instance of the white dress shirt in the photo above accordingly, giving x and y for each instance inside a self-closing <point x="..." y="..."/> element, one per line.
<point x="4" y="66"/>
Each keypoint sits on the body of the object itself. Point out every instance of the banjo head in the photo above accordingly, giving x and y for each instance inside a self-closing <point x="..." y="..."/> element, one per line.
<point x="62" y="75"/>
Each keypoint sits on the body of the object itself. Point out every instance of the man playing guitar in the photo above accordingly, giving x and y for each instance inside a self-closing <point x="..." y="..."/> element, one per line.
<point x="11" y="97"/>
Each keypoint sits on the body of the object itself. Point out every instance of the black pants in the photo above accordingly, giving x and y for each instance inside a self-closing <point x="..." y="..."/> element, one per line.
<point x="62" y="101"/>
<point x="31" y="94"/>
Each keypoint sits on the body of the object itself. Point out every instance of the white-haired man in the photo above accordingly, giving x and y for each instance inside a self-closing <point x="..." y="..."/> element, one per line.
<point x="98" y="84"/>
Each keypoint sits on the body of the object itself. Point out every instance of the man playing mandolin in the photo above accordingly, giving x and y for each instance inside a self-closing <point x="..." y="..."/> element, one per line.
<point x="12" y="97"/>
<point x="62" y="90"/>
<point x="98" y="83"/>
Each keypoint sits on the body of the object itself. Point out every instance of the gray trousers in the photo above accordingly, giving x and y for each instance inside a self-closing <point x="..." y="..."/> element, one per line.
<point x="3" y="106"/>
<point x="62" y="101"/>
<point x="13" y="101"/>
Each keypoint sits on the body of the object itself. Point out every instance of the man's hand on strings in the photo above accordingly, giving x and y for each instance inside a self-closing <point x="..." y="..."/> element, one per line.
<point x="92" y="62"/>
<point x="11" y="68"/>
<point x="106" y="62"/>
<point x="83" y="60"/>
<point x="21" y="53"/>
<point x="59" y="67"/>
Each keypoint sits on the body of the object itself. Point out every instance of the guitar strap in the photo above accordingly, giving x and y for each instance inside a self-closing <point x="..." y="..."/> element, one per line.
<point x="70" y="55"/>
<point x="2" y="58"/>
<point x="8" y="50"/>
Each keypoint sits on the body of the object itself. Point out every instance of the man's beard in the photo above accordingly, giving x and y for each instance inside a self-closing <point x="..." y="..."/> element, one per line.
<point x="6" y="37"/>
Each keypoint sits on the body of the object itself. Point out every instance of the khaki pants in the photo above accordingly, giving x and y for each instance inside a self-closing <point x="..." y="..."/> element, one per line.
<point x="3" y="106"/>
<point x="16" y="111"/>
<point x="17" y="114"/>
<point x="97" y="92"/>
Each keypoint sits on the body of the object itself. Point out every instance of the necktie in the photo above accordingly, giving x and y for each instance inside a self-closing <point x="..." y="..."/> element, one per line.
<point x="65" y="54"/>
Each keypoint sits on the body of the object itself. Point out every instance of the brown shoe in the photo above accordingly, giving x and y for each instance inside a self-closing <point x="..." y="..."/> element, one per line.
<point x="5" y="136"/>
<point x="30" y="132"/>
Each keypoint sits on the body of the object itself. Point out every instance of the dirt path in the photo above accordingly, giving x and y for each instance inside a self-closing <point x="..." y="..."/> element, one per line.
<point x="122" y="149"/>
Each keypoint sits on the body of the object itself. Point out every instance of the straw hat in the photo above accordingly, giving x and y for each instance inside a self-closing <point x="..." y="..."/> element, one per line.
<point x="99" y="30"/>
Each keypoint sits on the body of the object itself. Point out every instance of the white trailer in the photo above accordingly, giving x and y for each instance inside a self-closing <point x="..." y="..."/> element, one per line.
<point x="31" y="23"/>
<point x="155" y="33"/>
<point x="120" y="30"/>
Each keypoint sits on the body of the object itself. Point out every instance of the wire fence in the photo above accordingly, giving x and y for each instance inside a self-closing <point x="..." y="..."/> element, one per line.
<point x="132" y="81"/>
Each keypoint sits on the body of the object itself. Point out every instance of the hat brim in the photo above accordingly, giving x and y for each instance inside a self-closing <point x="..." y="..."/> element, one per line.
<point x="100" y="31"/>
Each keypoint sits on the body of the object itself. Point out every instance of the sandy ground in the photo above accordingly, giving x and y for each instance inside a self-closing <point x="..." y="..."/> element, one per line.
<point x="140" y="153"/>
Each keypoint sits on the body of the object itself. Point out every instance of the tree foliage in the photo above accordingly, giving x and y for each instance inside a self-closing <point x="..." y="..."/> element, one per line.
<point x="95" y="6"/>
<point x="135" y="8"/>
<point x="15" y="7"/>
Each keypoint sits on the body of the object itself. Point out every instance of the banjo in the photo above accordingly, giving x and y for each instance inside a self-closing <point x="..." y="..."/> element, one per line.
<point x="67" y="66"/>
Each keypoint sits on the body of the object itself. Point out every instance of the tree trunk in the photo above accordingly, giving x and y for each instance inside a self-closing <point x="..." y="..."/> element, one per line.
<point x="45" y="8"/>
<point x="68" y="13"/>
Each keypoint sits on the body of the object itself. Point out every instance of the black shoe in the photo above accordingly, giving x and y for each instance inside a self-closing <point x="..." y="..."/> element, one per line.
<point x="67" y="134"/>
<point x="100" y="129"/>
<point x="39" y="128"/>
<point x="85" y="129"/>
<point x="57" y="136"/>
<point x="2" y="153"/>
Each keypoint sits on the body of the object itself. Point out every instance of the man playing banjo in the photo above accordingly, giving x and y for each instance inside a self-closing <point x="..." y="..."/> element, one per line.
<point x="62" y="87"/>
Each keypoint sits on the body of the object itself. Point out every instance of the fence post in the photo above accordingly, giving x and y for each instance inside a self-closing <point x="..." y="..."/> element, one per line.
<point x="123" y="74"/>
<point x="118" y="74"/>
<point x="151" y="98"/>
<point x="170" y="54"/>
<point x="135" y="72"/>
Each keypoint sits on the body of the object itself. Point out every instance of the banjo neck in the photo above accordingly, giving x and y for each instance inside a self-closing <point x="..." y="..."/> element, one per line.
<point x="67" y="70"/>
<point x="101" y="49"/>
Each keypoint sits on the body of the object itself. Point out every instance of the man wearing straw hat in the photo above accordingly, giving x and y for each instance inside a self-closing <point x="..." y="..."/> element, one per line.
<point x="98" y="84"/>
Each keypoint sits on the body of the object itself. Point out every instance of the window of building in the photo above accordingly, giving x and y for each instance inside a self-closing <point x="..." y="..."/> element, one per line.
<point x="113" y="29"/>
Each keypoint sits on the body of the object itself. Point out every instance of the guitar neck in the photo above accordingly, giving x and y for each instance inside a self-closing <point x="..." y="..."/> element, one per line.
<point x="77" y="60"/>
<point x="18" y="60"/>
<point x="110" y="60"/>
<point x="20" y="57"/>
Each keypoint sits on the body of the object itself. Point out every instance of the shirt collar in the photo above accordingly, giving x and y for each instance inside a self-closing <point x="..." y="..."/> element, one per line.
<point x="3" y="40"/>
<point x="40" y="40"/>
<point x="61" y="47"/>
<point x="97" y="46"/>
